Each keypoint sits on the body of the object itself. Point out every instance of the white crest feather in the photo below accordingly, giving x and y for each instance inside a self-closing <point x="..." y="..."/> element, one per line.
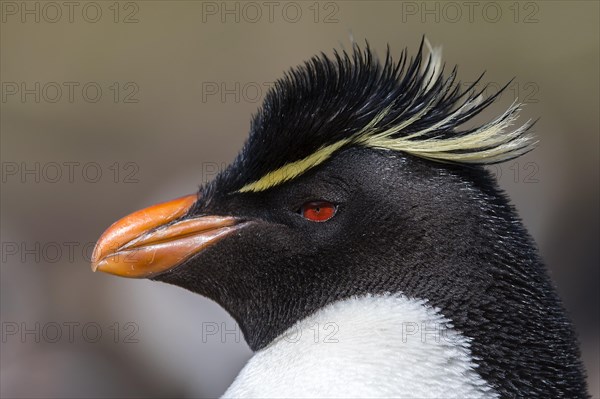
<point x="490" y="143"/>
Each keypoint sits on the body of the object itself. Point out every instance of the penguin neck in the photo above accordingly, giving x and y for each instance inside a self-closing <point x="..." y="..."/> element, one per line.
<point x="384" y="345"/>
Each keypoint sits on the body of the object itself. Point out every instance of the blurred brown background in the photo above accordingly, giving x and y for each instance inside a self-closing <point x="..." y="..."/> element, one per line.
<point x="108" y="107"/>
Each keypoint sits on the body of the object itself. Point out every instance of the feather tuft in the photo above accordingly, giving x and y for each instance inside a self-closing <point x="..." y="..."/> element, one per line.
<point x="351" y="99"/>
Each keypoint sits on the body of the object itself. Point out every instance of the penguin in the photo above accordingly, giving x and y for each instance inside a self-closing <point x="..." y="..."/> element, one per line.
<point x="361" y="244"/>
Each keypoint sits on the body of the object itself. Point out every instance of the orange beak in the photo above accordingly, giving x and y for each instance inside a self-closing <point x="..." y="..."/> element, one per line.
<point x="154" y="240"/>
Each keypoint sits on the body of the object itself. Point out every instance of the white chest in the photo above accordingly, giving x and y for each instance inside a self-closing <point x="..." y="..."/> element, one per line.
<point x="371" y="346"/>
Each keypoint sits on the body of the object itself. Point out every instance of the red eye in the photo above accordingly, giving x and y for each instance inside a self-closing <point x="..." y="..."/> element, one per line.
<point x="318" y="211"/>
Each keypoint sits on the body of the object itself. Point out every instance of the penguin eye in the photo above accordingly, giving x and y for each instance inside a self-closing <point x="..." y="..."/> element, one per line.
<point x="318" y="211"/>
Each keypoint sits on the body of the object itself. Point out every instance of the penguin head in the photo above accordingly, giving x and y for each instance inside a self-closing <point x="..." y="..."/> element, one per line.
<point x="356" y="178"/>
<point x="359" y="177"/>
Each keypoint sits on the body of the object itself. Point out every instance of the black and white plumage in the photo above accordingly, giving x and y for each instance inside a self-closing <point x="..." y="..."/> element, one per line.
<point x="420" y="234"/>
